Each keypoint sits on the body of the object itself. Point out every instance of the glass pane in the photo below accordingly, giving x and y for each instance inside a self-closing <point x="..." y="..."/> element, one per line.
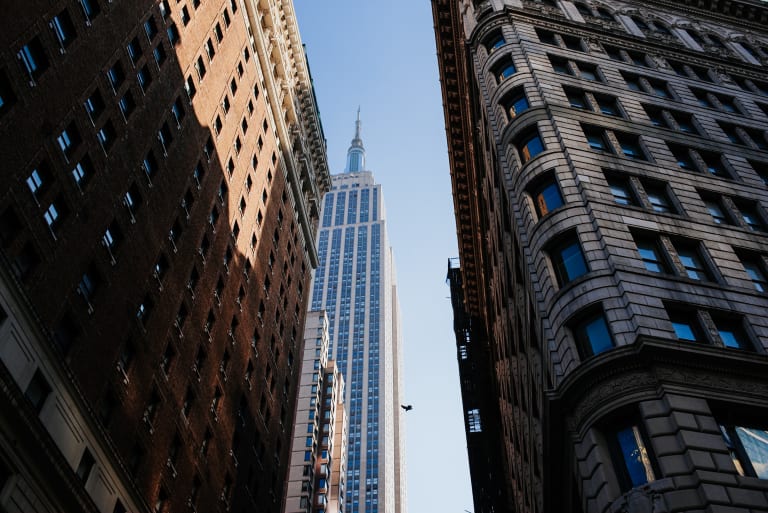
<point x="684" y="331"/>
<point x="621" y="194"/>
<point x="733" y="337"/>
<point x="635" y="458"/>
<point x="573" y="261"/>
<point x="598" y="335"/>
<point x="549" y="199"/>
<point x="650" y="258"/>
<point x="755" y="443"/>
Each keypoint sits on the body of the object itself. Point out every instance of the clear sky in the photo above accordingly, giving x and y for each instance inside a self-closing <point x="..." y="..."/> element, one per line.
<point x="381" y="56"/>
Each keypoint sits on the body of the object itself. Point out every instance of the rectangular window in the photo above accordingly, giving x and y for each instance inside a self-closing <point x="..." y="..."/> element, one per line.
<point x="63" y="28"/>
<point x="568" y="260"/>
<point x="7" y="96"/>
<point x="116" y="75"/>
<point x="748" y="446"/>
<point x="652" y="256"/>
<point x="622" y="191"/>
<point x="754" y="266"/>
<point x="732" y="333"/>
<point x="592" y="334"/>
<point x="631" y="456"/>
<point x="693" y="263"/>
<point x="33" y="57"/>
<point x="38" y="391"/>
<point x="530" y="146"/>
<point x="515" y="103"/>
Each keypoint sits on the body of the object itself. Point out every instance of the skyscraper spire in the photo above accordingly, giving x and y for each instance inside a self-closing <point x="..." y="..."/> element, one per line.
<point x="356" y="151"/>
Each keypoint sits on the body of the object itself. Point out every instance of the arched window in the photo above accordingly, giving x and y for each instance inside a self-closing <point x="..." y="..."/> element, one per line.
<point x="605" y="14"/>
<point x="750" y="50"/>
<point x="583" y="9"/>
<point x="661" y="28"/>
<point x="717" y="41"/>
<point x="696" y="37"/>
<point x="641" y="24"/>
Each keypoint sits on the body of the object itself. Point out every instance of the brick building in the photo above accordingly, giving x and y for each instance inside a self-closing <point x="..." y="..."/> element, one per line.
<point x="609" y="163"/>
<point x="162" y="169"/>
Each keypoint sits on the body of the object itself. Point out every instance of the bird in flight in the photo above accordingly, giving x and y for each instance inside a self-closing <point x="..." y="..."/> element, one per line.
<point x="406" y="407"/>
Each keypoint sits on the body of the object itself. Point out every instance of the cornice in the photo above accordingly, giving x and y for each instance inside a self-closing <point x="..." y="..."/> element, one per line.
<point x="455" y="85"/>
<point x="610" y="379"/>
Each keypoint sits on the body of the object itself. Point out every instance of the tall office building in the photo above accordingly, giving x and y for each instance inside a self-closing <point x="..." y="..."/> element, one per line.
<point x="163" y="163"/>
<point x="609" y="163"/>
<point x="355" y="283"/>
<point x="317" y="473"/>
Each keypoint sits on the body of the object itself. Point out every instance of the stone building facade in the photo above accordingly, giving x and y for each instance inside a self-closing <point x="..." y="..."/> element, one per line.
<point x="610" y="173"/>
<point x="163" y="164"/>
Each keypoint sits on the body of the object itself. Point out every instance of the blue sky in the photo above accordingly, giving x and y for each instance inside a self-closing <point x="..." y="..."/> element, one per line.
<point x="381" y="56"/>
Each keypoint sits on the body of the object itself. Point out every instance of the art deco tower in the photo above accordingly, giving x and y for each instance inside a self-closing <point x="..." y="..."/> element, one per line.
<point x="355" y="283"/>
<point x="609" y="162"/>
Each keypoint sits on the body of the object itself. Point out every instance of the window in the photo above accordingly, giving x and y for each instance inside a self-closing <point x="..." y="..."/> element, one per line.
<point x="7" y="96"/>
<point x="587" y="100"/>
<point x="144" y="309"/>
<point x="659" y="198"/>
<point x="701" y="161"/>
<point x="494" y="42"/>
<point x="134" y="50"/>
<point x="732" y="333"/>
<point x="63" y="28"/>
<point x="127" y="104"/>
<point x="546" y="195"/>
<point x="529" y="146"/>
<point x="598" y="139"/>
<point x="690" y="71"/>
<point x="89" y="284"/>
<point x="750" y="216"/>
<point x="54" y="215"/>
<point x="116" y="75"/>
<point x="150" y="28"/>
<point x="515" y="103"/>
<point x="504" y="69"/>
<point x="200" y="67"/>
<point x="37" y="391"/>
<point x="85" y="466"/>
<point x="652" y="256"/>
<point x="189" y="87"/>
<point x="711" y="100"/>
<point x="94" y="105"/>
<point x="144" y="78"/>
<point x="567" y="259"/>
<point x="608" y="105"/>
<point x="69" y="139"/>
<point x="33" y="58"/>
<point x="39" y="179"/>
<point x="630" y="454"/>
<point x="748" y="445"/>
<point x="621" y="190"/>
<point x="219" y="33"/>
<point x="177" y="109"/>
<point x="755" y="267"/>
<point x="673" y="120"/>
<point x="691" y="258"/>
<point x="685" y="324"/>
<point x="592" y="334"/>
<point x="91" y="9"/>
<point x="159" y="54"/>
<point x="746" y="136"/>
<point x="652" y="86"/>
<point x="628" y="56"/>
<point x="106" y="135"/>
